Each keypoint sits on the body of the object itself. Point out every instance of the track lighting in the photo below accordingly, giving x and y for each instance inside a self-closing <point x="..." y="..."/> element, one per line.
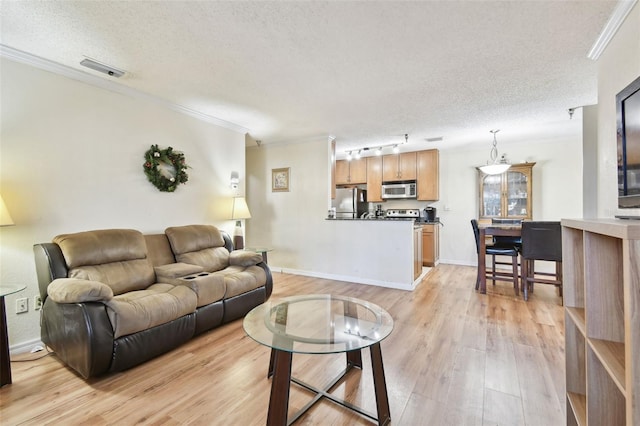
<point x="378" y="150"/>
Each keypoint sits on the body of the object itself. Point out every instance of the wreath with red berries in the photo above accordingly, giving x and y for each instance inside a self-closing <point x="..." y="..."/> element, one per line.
<point x="165" y="168"/>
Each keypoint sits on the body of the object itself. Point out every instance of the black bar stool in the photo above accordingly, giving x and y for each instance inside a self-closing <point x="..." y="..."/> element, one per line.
<point x="494" y="251"/>
<point x="541" y="241"/>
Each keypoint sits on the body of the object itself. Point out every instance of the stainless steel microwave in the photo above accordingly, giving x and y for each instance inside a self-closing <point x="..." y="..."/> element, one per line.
<point x="399" y="190"/>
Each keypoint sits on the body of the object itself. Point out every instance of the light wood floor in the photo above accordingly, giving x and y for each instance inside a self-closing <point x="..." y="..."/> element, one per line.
<point x="455" y="357"/>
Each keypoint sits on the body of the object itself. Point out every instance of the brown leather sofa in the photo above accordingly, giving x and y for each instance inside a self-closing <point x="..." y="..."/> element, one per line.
<point x="115" y="298"/>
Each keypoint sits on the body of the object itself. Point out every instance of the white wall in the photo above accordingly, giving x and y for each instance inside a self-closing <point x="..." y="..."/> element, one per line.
<point x="293" y="222"/>
<point x="71" y="158"/>
<point x="618" y="66"/>
<point x="557" y="188"/>
<point x="290" y="222"/>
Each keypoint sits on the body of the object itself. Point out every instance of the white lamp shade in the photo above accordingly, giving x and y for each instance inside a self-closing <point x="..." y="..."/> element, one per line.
<point x="495" y="169"/>
<point x="239" y="209"/>
<point x="5" y="217"/>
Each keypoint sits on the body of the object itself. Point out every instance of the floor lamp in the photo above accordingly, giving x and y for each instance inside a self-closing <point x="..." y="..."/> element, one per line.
<point x="239" y="211"/>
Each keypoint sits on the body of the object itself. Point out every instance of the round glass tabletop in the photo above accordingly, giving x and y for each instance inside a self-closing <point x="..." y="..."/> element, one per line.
<point x="318" y="324"/>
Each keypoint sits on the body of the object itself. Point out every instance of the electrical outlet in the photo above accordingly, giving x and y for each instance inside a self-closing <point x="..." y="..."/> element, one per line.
<point x="22" y="305"/>
<point x="37" y="302"/>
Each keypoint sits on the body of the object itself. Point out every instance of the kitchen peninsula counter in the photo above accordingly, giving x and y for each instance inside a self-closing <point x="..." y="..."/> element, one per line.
<point x="378" y="251"/>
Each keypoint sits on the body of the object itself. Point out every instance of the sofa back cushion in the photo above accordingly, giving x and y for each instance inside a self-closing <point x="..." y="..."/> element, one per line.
<point x="159" y="250"/>
<point x="115" y="257"/>
<point x="200" y="245"/>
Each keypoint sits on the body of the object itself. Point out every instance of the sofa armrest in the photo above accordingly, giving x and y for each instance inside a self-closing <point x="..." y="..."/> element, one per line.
<point x="171" y="271"/>
<point x="72" y="290"/>
<point x="244" y="258"/>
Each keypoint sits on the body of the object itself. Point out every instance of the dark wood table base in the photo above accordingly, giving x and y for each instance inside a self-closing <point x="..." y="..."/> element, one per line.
<point x="280" y="369"/>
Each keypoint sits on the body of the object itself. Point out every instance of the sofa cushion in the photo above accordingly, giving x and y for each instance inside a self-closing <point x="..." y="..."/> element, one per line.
<point x="71" y="290"/>
<point x="201" y="245"/>
<point x="175" y="270"/>
<point x="244" y="258"/>
<point x="158" y="249"/>
<point x="238" y="279"/>
<point x="189" y="238"/>
<point x="115" y="257"/>
<point x="140" y="310"/>
<point x="208" y="287"/>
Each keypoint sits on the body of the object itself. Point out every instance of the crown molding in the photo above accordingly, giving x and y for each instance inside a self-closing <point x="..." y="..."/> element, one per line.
<point x="113" y="86"/>
<point x="611" y="28"/>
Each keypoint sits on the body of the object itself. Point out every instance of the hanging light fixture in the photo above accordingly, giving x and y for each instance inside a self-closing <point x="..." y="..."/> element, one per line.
<point x="495" y="166"/>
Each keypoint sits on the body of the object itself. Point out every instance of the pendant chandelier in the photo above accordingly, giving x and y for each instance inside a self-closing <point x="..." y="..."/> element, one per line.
<point x="495" y="166"/>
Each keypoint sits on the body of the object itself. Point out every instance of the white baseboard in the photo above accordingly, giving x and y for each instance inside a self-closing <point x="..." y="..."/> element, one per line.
<point x="351" y="279"/>
<point x="25" y="347"/>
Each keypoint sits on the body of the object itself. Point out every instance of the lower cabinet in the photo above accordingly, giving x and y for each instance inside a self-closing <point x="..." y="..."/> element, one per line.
<point x="430" y="245"/>
<point x="417" y="252"/>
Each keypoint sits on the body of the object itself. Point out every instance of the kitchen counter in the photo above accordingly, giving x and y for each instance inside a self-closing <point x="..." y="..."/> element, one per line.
<point x="371" y="251"/>
<point x="374" y="219"/>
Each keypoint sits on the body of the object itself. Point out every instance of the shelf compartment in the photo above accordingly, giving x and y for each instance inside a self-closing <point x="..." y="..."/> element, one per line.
<point x="611" y="356"/>
<point x="576" y="409"/>
<point x="573" y="267"/>
<point x="579" y="318"/>
<point x="606" y="405"/>
<point x="604" y="289"/>
<point x="576" y="377"/>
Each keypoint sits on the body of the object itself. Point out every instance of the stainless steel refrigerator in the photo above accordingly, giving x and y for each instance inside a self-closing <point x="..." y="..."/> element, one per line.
<point x="350" y="203"/>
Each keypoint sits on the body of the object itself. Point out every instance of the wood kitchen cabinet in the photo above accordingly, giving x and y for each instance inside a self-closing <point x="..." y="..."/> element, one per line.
<point x="417" y="251"/>
<point x="430" y="244"/>
<point x="427" y="165"/>
<point x="507" y="195"/>
<point x="399" y="167"/>
<point x="351" y="172"/>
<point x="374" y="179"/>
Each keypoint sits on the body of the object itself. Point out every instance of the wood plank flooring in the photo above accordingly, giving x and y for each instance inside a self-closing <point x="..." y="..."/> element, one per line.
<point x="455" y="357"/>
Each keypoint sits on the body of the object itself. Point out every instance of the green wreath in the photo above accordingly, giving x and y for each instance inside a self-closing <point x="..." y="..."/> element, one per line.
<point x="165" y="168"/>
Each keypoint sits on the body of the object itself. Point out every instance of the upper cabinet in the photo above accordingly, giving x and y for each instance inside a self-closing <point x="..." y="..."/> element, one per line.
<point x="507" y="195"/>
<point x="351" y="172"/>
<point x="398" y="167"/>
<point x="421" y="166"/>
<point x="427" y="164"/>
<point x="374" y="179"/>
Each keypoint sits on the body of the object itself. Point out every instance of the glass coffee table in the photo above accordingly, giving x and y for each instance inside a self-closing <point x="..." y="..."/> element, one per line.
<point x="320" y="324"/>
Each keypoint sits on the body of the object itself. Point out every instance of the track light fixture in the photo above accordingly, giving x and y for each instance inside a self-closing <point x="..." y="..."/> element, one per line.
<point x="378" y="150"/>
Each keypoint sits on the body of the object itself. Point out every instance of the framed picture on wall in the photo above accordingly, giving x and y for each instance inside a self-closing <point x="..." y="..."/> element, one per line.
<point x="280" y="180"/>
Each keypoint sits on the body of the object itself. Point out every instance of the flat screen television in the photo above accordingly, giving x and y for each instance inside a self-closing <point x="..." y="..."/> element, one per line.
<point x="628" y="127"/>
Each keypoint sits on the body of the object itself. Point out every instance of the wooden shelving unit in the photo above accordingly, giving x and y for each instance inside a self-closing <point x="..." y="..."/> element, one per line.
<point x="601" y="268"/>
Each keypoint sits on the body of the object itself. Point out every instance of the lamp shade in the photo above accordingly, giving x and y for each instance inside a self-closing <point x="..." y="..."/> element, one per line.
<point x="5" y="217"/>
<point x="239" y="209"/>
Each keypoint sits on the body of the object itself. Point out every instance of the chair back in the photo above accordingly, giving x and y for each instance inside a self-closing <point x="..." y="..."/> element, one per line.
<point x="542" y="241"/>
<point x="502" y="240"/>
<point x="476" y="233"/>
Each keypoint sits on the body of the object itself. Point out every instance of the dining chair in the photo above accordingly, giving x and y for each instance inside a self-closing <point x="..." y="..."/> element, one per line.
<point x="494" y="251"/>
<point x="505" y="240"/>
<point x="541" y="240"/>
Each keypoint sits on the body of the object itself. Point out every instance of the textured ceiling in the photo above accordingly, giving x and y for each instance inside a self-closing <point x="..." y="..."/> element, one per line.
<point x="364" y="72"/>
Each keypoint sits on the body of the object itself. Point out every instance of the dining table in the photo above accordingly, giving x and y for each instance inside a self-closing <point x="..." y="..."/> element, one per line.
<point x="492" y="229"/>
